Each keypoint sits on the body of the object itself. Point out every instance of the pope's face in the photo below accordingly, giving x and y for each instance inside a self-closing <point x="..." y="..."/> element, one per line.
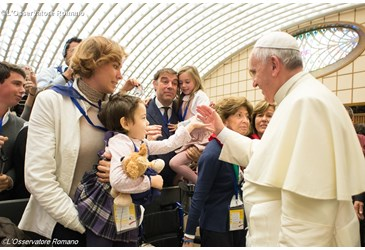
<point x="261" y="73"/>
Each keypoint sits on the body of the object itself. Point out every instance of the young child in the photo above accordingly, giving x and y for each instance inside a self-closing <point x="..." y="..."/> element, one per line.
<point x="125" y="116"/>
<point x="191" y="95"/>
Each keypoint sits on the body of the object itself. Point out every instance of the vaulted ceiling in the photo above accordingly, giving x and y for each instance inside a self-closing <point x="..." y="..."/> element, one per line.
<point x="155" y="35"/>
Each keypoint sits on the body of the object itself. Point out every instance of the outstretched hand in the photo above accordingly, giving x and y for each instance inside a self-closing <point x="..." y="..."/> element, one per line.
<point x="210" y="117"/>
<point x="129" y="85"/>
<point x="195" y="124"/>
<point x="153" y="132"/>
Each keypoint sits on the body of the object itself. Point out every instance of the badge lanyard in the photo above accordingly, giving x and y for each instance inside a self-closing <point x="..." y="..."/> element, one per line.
<point x="135" y="147"/>
<point x="84" y="114"/>
<point x="1" y="125"/>
<point x="181" y="115"/>
<point x="3" y="157"/>
<point x="235" y="183"/>
<point x="74" y="94"/>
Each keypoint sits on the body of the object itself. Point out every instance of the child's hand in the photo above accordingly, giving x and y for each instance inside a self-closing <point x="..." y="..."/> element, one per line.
<point x="157" y="181"/>
<point x="197" y="124"/>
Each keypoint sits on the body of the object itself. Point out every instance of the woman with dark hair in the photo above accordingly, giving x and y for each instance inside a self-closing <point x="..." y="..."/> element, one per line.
<point x="217" y="195"/>
<point x="261" y="116"/>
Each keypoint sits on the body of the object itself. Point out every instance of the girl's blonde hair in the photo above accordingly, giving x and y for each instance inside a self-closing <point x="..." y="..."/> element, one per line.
<point x="194" y="73"/>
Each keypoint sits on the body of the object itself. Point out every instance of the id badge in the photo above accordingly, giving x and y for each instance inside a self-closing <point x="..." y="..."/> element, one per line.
<point x="125" y="218"/>
<point x="236" y="218"/>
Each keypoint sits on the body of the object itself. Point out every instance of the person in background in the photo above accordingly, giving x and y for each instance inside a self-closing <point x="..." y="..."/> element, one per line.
<point x="61" y="74"/>
<point x="165" y="83"/>
<point x="24" y="107"/>
<point x="301" y="175"/>
<point x="219" y="183"/>
<point x="191" y="95"/>
<point x="360" y="128"/>
<point x="12" y="81"/>
<point x="359" y="199"/>
<point x="359" y="135"/>
<point x="64" y="137"/>
<point x="18" y="159"/>
<point x="261" y="116"/>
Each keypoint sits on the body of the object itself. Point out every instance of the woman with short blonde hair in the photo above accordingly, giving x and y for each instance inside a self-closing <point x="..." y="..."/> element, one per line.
<point x="64" y="137"/>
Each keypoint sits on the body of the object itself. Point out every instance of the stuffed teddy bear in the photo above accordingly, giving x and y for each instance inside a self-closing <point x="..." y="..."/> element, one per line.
<point x="135" y="166"/>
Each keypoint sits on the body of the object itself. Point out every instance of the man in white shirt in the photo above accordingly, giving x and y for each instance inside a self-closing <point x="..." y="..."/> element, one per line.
<point x="300" y="177"/>
<point x="61" y="74"/>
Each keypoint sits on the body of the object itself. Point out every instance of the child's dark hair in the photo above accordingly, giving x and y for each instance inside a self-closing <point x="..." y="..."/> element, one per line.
<point x="118" y="106"/>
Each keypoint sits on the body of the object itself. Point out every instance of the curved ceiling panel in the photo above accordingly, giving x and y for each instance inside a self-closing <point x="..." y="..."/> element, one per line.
<point x="155" y="35"/>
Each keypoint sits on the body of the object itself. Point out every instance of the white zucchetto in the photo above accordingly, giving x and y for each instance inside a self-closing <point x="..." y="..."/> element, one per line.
<point x="277" y="40"/>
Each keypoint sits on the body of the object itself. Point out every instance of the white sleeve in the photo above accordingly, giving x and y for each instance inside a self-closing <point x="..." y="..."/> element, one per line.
<point x="237" y="149"/>
<point x="48" y="77"/>
<point x="40" y="165"/>
<point x="120" y="147"/>
<point x="172" y="143"/>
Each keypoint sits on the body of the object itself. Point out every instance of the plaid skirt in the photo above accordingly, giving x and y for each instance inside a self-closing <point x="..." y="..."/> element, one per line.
<point x="95" y="206"/>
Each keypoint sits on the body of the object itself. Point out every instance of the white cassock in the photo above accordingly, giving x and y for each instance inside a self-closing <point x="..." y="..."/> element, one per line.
<point x="302" y="174"/>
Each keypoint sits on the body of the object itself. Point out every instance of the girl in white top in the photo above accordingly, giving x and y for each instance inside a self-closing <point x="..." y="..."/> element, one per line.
<point x="125" y="116"/>
<point x="191" y="95"/>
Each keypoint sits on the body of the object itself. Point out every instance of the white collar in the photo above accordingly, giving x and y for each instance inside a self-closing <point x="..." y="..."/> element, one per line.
<point x="6" y="117"/>
<point x="287" y="86"/>
<point x="159" y="104"/>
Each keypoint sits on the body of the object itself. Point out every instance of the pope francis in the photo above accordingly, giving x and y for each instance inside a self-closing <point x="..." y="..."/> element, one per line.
<point x="300" y="177"/>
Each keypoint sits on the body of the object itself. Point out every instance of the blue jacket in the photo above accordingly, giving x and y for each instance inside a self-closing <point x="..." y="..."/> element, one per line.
<point x="213" y="192"/>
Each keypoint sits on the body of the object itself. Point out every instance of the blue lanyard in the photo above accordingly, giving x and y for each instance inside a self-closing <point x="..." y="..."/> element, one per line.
<point x="1" y="125"/>
<point x="74" y="94"/>
<point x="3" y="157"/>
<point x="181" y="115"/>
<point x="77" y="95"/>
<point x="84" y="114"/>
<point x="135" y="147"/>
